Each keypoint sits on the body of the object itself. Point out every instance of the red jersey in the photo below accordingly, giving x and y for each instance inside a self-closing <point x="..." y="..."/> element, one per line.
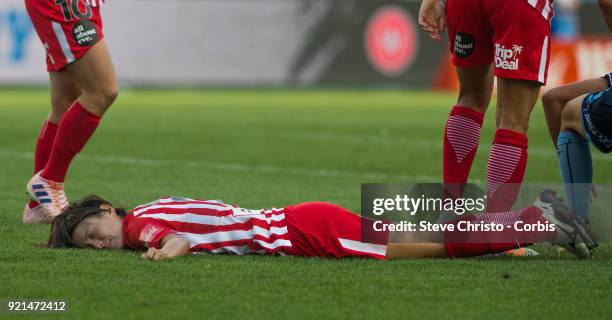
<point x="310" y="229"/>
<point x="209" y="226"/>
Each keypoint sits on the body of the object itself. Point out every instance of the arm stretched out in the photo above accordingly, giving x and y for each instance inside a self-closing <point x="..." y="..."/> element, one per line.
<point x="172" y="246"/>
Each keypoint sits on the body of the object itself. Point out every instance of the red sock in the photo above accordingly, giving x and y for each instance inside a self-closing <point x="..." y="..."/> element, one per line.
<point x="506" y="169"/>
<point x="470" y="244"/>
<point x="461" y="137"/>
<point x="74" y="131"/>
<point x="43" y="149"/>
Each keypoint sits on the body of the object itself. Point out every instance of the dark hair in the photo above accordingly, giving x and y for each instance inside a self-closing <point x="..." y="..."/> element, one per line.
<point x="64" y="224"/>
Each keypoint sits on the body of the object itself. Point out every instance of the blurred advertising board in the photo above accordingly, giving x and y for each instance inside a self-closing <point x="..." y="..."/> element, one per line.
<point x="243" y="43"/>
<point x="265" y="43"/>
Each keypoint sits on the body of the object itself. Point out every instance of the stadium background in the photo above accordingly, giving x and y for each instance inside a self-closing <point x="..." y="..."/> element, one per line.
<point x="268" y="103"/>
<point x="279" y="43"/>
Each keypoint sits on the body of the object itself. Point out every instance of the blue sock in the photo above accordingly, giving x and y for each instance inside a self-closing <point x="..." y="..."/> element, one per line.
<point x="576" y="165"/>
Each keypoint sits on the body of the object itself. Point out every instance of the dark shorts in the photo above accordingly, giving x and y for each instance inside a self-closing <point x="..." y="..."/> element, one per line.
<point x="597" y="119"/>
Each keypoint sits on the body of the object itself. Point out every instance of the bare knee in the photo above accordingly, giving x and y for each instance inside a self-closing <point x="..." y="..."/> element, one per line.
<point x="108" y="95"/>
<point x="515" y="120"/>
<point x="475" y="99"/>
<point x="476" y="86"/>
<point x="553" y="98"/>
<point x="515" y="123"/>
<point x="100" y="99"/>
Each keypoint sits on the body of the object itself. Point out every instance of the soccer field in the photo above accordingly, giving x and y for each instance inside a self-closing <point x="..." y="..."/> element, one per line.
<point x="261" y="149"/>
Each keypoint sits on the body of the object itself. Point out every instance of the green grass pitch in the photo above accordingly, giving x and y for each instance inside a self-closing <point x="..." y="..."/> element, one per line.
<point x="273" y="148"/>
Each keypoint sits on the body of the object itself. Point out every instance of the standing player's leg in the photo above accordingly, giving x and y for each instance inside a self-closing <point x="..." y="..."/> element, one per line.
<point x="508" y="157"/>
<point x="575" y="162"/>
<point x="585" y="119"/>
<point x="72" y="34"/>
<point x="470" y="39"/>
<point x="64" y="90"/>
<point x="96" y="76"/>
<point x="462" y="131"/>
<point x="521" y="43"/>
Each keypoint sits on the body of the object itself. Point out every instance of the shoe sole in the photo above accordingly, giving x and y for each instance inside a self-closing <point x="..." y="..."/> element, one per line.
<point x="582" y="234"/>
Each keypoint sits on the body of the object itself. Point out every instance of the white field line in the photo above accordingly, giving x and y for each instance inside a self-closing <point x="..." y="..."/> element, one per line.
<point x="383" y="139"/>
<point x="236" y="167"/>
<point x="366" y="177"/>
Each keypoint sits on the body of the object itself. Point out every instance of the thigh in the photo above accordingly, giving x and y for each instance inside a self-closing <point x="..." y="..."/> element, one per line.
<point x="521" y="39"/>
<point x="95" y="69"/>
<point x="469" y="33"/>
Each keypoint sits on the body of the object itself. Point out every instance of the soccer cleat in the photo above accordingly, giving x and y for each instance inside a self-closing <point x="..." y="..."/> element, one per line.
<point x="34" y="215"/>
<point x="520" y="252"/>
<point x="570" y="234"/>
<point x="49" y="194"/>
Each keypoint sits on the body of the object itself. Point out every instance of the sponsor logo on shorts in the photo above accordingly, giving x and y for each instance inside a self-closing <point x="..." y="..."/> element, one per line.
<point x="85" y="33"/>
<point x="464" y="45"/>
<point x="507" y="58"/>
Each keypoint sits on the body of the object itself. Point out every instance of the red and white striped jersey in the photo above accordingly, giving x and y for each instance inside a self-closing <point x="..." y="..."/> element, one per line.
<point x="545" y="7"/>
<point x="95" y="3"/>
<point x="209" y="226"/>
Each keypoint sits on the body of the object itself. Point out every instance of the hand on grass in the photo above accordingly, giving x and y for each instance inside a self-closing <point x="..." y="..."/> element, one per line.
<point x="155" y="254"/>
<point x="432" y="18"/>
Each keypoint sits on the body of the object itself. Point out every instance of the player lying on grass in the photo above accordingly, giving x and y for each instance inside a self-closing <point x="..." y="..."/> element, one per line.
<point x="577" y="114"/>
<point x="172" y="227"/>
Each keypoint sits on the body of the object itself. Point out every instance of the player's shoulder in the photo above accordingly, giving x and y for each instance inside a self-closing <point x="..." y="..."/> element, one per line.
<point x="176" y="202"/>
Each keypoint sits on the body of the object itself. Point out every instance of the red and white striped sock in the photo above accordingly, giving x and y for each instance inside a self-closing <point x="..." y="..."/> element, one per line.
<point x="43" y="149"/>
<point x="505" y="169"/>
<point x="461" y="138"/>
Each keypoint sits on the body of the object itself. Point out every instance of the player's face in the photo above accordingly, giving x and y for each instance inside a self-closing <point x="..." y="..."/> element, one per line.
<point x="101" y="231"/>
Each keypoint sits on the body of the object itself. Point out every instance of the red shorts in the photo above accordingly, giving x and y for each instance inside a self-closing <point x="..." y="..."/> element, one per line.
<point x="67" y="30"/>
<point x="319" y="229"/>
<point x="511" y="34"/>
